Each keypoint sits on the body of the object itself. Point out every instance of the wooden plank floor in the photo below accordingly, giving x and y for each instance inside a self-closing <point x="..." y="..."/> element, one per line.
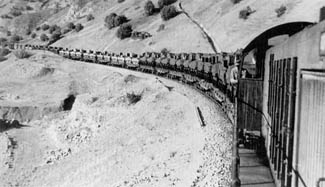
<point x="253" y="172"/>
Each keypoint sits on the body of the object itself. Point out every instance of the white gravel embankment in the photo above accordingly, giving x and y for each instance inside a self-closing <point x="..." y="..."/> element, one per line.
<point x="109" y="140"/>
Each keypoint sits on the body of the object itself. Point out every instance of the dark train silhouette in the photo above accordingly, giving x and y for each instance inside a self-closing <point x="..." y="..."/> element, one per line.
<point x="277" y="106"/>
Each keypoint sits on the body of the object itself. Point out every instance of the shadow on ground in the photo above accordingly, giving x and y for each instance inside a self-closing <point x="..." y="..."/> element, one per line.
<point x="6" y="125"/>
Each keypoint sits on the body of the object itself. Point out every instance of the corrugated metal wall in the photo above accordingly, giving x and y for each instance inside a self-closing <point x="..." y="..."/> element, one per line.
<point x="311" y="142"/>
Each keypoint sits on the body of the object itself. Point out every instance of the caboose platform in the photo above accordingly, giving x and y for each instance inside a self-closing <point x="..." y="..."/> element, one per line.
<point x="254" y="170"/>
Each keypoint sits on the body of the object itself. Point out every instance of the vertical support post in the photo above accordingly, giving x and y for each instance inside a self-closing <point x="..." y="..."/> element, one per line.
<point x="235" y="155"/>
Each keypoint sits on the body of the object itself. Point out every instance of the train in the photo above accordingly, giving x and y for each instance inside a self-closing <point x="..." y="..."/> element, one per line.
<point x="208" y="72"/>
<point x="277" y="102"/>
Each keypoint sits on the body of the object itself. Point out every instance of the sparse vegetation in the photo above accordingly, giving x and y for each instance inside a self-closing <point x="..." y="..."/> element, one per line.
<point x="119" y="20"/>
<point x="15" y="12"/>
<point x="79" y="27"/>
<point x="29" y="8"/>
<point x="71" y="26"/>
<point x="149" y="8"/>
<point x="6" y="16"/>
<point x="245" y="13"/>
<point x="109" y="20"/>
<point x="44" y="37"/>
<point x="133" y="98"/>
<point x="124" y="31"/>
<point x="2" y="58"/>
<point x="165" y="51"/>
<point x="27" y="22"/>
<point x="168" y="12"/>
<point x="15" y="38"/>
<point x="28" y="32"/>
<point x="4" y="51"/>
<point x="54" y="28"/>
<point x="66" y="30"/>
<point x="113" y="20"/>
<point x="22" y="54"/>
<point x="33" y="35"/>
<point x="281" y="10"/>
<point x="8" y="33"/>
<point x="55" y="36"/>
<point x="3" y="41"/>
<point x="161" y="27"/>
<point x="140" y="35"/>
<point x="90" y="17"/>
<point x="162" y="3"/>
<point x="45" y="27"/>
<point x="235" y="1"/>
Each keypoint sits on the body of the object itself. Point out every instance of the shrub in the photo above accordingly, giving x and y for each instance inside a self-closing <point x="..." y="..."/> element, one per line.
<point x="8" y="33"/>
<point x="4" y="51"/>
<point x="44" y="37"/>
<point x="165" y="51"/>
<point x="119" y="20"/>
<point x="15" y="12"/>
<point x="3" y="41"/>
<point x="38" y="28"/>
<point x="162" y="3"/>
<point x="161" y="27"/>
<point x="79" y="27"/>
<point x="120" y="1"/>
<point x="109" y="20"/>
<point x="235" y="1"/>
<point x="244" y="13"/>
<point x="2" y="58"/>
<point x="168" y="12"/>
<point x="133" y="98"/>
<point x="45" y="27"/>
<point x="71" y="26"/>
<point x="15" y="38"/>
<point x="33" y="35"/>
<point x="280" y="11"/>
<point x="22" y="54"/>
<point x="28" y="32"/>
<point x="65" y="31"/>
<point x="90" y="17"/>
<point x="56" y="36"/>
<point x="6" y="16"/>
<point x="54" y="28"/>
<point x="114" y="20"/>
<point x="124" y="31"/>
<point x="29" y="8"/>
<point x="149" y="8"/>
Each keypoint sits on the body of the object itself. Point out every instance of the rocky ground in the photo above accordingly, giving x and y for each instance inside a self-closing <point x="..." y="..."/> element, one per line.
<point x="105" y="126"/>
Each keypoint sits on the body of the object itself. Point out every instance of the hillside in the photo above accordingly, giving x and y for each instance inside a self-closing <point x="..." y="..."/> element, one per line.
<point x="219" y="18"/>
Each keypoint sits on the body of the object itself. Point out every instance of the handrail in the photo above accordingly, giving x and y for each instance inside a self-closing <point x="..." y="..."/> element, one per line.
<point x="299" y="177"/>
<point x="322" y="179"/>
<point x="257" y="110"/>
